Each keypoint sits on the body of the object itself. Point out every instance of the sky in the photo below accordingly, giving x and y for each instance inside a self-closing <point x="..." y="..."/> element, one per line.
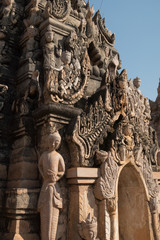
<point x="136" y="24"/>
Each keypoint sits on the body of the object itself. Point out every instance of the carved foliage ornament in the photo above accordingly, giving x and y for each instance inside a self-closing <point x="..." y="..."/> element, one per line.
<point x="105" y="185"/>
<point x="88" y="132"/>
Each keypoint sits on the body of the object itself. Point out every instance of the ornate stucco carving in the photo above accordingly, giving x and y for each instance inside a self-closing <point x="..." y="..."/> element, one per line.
<point x="58" y="9"/>
<point x="106" y="35"/>
<point x="89" y="131"/>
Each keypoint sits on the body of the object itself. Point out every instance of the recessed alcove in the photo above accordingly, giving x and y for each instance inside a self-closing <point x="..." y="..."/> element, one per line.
<point x="133" y="209"/>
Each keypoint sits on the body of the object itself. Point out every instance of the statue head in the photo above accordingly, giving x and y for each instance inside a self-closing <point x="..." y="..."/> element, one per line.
<point x="137" y="82"/>
<point x="54" y="141"/>
<point x="49" y="35"/>
<point x="127" y="130"/>
<point x="66" y="57"/>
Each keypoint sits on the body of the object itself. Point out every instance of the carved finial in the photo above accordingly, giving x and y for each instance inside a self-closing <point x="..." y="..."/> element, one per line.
<point x="123" y="79"/>
<point x="137" y="82"/>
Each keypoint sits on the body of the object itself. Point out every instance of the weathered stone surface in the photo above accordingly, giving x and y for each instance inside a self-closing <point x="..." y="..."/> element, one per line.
<point x="22" y="198"/>
<point x="23" y="170"/>
<point x="59" y="82"/>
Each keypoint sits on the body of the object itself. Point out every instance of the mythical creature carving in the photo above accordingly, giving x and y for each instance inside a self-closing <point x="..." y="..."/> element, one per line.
<point x="52" y="168"/>
<point x="88" y="228"/>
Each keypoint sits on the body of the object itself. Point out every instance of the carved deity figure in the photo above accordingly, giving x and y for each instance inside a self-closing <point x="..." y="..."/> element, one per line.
<point x="49" y="58"/>
<point x="108" y="102"/>
<point x="52" y="168"/>
<point x="124" y="142"/>
<point x="83" y="26"/>
<point x="49" y="64"/>
<point x="31" y="44"/>
<point x="120" y="99"/>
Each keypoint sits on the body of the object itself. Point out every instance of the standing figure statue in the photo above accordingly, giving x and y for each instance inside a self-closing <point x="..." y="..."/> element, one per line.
<point x="52" y="168"/>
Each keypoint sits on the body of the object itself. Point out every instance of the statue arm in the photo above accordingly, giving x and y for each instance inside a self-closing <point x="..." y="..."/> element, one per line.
<point x="40" y="166"/>
<point x="61" y="168"/>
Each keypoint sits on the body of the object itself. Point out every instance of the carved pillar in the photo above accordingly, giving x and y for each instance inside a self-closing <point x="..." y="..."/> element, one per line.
<point x="108" y="219"/>
<point x="23" y="184"/>
<point x="81" y="199"/>
<point x="113" y="213"/>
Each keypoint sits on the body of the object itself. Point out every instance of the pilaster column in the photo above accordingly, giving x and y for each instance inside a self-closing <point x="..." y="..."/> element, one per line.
<point x="81" y="198"/>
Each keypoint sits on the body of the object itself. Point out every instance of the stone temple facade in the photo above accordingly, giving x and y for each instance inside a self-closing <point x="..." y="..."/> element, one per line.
<point x="78" y="155"/>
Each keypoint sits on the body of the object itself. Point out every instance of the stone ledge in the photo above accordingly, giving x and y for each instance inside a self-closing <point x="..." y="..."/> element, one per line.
<point x="82" y="175"/>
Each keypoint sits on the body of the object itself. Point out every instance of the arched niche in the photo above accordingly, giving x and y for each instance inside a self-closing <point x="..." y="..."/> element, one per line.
<point x="133" y="211"/>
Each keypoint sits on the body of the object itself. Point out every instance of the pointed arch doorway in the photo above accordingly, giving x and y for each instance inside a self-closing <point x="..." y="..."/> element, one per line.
<point x="133" y="210"/>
